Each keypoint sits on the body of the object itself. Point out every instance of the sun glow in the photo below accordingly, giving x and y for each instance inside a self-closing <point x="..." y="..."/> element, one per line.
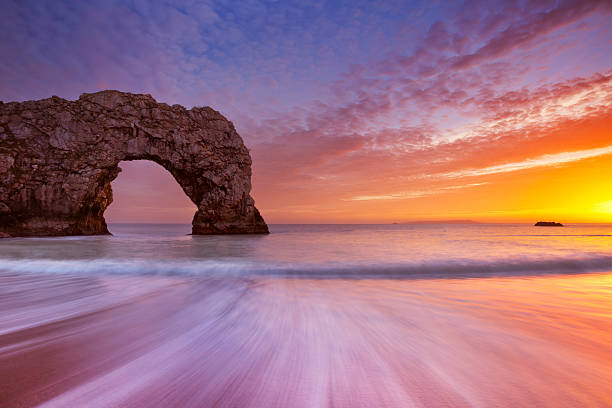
<point x="604" y="207"/>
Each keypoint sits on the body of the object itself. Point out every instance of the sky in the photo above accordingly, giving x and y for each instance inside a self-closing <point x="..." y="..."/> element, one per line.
<point x="353" y="111"/>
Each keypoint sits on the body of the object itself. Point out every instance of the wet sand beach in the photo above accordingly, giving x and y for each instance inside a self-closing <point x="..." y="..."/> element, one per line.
<point x="124" y="341"/>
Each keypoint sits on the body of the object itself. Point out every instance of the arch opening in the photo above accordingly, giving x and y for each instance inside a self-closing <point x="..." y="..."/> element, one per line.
<point x="145" y="192"/>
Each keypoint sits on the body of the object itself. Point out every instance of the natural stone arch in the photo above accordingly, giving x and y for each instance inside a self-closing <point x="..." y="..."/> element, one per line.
<point x="58" y="158"/>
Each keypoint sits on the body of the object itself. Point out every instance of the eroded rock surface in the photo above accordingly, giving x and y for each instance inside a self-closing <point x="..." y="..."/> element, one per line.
<point x="58" y="158"/>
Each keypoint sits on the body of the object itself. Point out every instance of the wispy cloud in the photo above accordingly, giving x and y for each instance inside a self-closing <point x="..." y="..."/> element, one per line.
<point x="414" y="194"/>
<point x="541" y="161"/>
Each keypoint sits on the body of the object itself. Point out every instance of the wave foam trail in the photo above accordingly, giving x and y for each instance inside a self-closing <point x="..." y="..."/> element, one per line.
<point x="126" y="341"/>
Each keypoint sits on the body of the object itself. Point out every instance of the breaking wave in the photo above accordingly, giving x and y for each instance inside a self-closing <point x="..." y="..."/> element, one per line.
<point x="432" y="269"/>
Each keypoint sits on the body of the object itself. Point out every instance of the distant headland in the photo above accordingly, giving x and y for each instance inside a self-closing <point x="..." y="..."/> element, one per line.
<point x="438" y="222"/>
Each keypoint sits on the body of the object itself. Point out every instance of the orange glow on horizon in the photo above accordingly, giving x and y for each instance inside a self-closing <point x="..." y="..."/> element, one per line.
<point x="561" y="172"/>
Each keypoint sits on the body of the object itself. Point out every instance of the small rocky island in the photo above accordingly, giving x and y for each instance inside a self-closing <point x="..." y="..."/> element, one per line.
<point x="59" y="157"/>
<point x="548" y="224"/>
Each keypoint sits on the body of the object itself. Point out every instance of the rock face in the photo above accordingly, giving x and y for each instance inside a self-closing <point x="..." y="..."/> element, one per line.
<point x="548" y="224"/>
<point x="58" y="158"/>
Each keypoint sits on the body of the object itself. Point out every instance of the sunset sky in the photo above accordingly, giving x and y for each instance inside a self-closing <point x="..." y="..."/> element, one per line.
<point x="354" y="111"/>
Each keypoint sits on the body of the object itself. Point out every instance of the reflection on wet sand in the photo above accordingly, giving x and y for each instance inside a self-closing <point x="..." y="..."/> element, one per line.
<point x="278" y="342"/>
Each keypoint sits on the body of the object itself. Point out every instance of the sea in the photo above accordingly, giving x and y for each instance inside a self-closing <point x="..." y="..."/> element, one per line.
<point x="394" y="315"/>
<point x="321" y="251"/>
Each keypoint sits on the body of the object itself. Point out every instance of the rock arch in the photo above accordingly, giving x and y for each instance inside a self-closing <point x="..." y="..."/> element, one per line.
<point x="58" y="158"/>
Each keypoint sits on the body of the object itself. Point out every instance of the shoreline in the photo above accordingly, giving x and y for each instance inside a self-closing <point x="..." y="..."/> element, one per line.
<point x="266" y="342"/>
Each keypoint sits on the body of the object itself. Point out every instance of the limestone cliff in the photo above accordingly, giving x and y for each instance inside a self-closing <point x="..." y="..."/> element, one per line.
<point x="58" y="158"/>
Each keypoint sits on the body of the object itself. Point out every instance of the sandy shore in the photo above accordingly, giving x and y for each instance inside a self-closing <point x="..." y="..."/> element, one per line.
<point x="165" y="342"/>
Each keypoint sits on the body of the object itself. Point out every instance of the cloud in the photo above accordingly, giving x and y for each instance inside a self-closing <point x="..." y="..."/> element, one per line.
<point x="544" y="106"/>
<point x="527" y="29"/>
<point x="414" y="194"/>
<point x="540" y="161"/>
